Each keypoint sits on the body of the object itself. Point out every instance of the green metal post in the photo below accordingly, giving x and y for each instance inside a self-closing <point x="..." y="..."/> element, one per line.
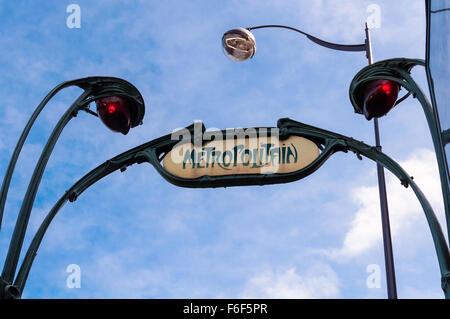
<point x="18" y="236"/>
<point x="437" y="142"/>
<point x="94" y="88"/>
<point x="21" y="142"/>
<point x="398" y="70"/>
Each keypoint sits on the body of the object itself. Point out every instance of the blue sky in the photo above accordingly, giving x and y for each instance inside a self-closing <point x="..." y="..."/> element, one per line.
<point x="136" y="236"/>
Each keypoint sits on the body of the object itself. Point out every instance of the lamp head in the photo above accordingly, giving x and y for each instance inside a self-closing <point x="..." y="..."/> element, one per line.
<point x="239" y="44"/>
<point x="120" y="105"/>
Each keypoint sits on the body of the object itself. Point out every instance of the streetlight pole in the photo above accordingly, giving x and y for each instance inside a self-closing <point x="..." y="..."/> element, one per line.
<point x="385" y="224"/>
<point x="125" y="111"/>
<point x="239" y="44"/>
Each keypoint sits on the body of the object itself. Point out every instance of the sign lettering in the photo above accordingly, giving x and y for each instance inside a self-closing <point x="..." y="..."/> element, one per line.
<point x="253" y="155"/>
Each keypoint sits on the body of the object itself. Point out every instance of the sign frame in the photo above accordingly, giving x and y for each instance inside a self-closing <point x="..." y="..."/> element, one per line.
<point x="286" y="129"/>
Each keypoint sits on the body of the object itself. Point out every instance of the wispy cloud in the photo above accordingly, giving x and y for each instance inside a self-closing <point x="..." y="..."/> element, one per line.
<point x="365" y="229"/>
<point x="321" y="281"/>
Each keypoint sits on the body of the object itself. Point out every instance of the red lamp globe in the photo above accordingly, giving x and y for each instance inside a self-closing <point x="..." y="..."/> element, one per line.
<point x="114" y="111"/>
<point x="379" y="98"/>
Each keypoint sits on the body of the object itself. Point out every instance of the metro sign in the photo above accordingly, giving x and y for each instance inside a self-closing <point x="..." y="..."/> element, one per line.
<point x="241" y="156"/>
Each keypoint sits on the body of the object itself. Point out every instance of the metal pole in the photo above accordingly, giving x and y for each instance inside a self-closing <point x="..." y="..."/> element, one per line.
<point x="387" y="239"/>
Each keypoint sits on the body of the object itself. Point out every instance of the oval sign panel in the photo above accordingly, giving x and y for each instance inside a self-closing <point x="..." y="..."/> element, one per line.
<point x="241" y="156"/>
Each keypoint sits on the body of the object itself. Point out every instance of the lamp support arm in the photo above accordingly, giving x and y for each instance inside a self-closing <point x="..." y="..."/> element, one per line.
<point x="326" y="44"/>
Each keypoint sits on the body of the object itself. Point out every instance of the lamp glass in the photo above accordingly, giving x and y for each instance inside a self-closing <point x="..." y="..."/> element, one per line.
<point x="114" y="111"/>
<point x="239" y="44"/>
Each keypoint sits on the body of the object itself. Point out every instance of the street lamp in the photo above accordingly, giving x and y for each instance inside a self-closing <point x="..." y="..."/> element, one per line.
<point x="120" y="106"/>
<point x="239" y="45"/>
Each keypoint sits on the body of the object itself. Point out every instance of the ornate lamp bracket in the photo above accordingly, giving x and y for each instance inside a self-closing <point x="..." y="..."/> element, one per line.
<point x="397" y="70"/>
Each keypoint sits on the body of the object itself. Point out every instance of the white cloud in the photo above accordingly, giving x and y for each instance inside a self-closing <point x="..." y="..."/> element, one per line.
<point x="405" y="211"/>
<point x="319" y="282"/>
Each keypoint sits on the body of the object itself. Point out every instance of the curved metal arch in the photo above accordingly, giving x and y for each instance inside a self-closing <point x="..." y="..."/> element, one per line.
<point x="326" y="44"/>
<point x="150" y="152"/>
<point x="391" y="69"/>
<point x="94" y="87"/>
<point x="398" y="70"/>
